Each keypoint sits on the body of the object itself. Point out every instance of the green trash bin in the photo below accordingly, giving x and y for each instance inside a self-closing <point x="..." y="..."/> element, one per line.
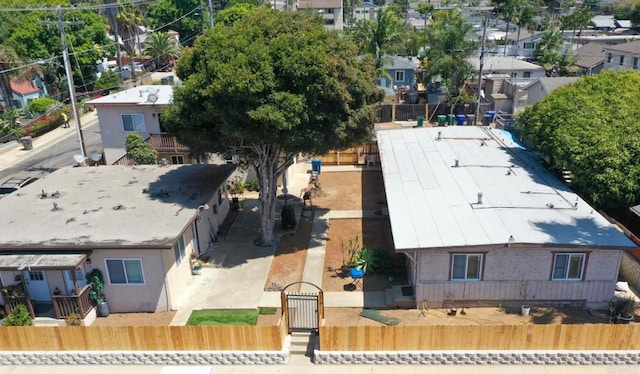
<point x="451" y="119"/>
<point x="420" y="121"/>
<point x="442" y="120"/>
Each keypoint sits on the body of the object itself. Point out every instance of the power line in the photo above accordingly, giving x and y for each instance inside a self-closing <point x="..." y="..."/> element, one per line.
<point x="67" y="65"/>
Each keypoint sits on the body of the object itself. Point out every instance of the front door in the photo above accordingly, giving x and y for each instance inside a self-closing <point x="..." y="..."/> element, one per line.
<point x="37" y="286"/>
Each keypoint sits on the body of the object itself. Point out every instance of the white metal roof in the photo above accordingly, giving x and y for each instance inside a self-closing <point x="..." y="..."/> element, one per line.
<point x="434" y="204"/>
<point x="141" y="95"/>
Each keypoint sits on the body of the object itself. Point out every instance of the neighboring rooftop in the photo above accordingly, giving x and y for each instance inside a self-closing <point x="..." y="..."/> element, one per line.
<point x="400" y="62"/>
<point x="503" y="63"/>
<point x="590" y="55"/>
<point x="433" y="204"/>
<point x="24" y="86"/>
<point x="551" y="83"/>
<point x="631" y="47"/>
<point x="108" y="206"/>
<point x="319" y="4"/>
<point x="141" y="95"/>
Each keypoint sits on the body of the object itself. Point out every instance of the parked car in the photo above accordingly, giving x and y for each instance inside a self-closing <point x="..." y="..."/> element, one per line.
<point x="13" y="184"/>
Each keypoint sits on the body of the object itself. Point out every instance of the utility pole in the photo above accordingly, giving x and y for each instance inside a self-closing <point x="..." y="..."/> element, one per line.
<point x="67" y="67"/>
<point x="484" y="39"/>
<point x="210" y="13"/>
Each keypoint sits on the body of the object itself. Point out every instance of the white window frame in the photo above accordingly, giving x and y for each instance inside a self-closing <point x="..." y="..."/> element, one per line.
<point x="180" y="251"/>
<point x="528" y="45"/>
<point x="565" y="276"/>
<point x="122" y="260"/>
<point x="133" y="115"/>
<point x="399" y="73"/>
<point x="466" y="266"/>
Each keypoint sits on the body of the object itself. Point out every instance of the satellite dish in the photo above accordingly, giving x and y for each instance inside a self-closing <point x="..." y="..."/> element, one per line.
<point x="95" y="156"/>
<point x="78" y="158"/>
<point x="152" y="98"/>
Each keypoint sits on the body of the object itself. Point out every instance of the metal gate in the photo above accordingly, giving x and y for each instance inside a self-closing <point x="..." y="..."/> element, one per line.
<point x="302" y="311"/>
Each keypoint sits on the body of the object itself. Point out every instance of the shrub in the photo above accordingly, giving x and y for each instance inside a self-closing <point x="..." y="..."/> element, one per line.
<point x="42" y="105"/>
<point x="19" y="316"/>
<point x="253" y="185"/>
<point x="108" y="80"/>
<point x="43" y="125"/>
<point x="140" y="151"/>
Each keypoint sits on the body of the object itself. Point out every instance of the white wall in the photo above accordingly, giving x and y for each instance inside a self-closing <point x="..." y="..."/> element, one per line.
<point x="111" y="129"/>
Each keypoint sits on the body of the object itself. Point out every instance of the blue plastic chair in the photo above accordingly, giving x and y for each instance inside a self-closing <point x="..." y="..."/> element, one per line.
<point x="356" y="276"/>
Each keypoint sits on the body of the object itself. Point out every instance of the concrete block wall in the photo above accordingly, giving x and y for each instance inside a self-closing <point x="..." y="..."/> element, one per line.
<point x="145" y="358"/>
<point x="479" y="358"/>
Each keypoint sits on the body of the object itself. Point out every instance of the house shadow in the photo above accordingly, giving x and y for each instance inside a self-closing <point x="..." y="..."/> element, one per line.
<point x="189" y="187"/>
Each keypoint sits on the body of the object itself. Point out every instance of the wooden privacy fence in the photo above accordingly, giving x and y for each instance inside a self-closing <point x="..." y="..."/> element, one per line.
<point x="142" y="338"/>
<point x="489" y="337"/>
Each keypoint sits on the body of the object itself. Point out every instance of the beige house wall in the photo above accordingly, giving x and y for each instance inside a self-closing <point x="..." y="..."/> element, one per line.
<point x="111" y="129"/>
<point x="506" y="271"/>
<point x="152" y="296"/>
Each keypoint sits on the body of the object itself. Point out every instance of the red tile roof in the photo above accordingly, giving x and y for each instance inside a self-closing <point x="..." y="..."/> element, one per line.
<point x="23" y="87"/>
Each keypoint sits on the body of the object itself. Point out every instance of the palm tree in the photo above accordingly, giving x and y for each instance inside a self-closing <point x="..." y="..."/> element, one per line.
<point x="524" y="17"/>
<point x="162" y="47"/>
<point x="385" y="35"/>
<point x="129" y="19"/>
<point x="8" y="58"/>
<point x="550" y="43"/>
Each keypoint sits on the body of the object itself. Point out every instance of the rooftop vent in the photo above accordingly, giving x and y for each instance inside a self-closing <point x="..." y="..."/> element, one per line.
<point x="456" y="163"/>
<point x="439" y="135"/>
<point x="479" y="197"/>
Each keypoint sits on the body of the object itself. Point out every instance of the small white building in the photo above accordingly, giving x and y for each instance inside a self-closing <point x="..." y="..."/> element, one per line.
<point x="330" y="11"/>
<point x="508" y="65"/>
<point x="625" y="56"/>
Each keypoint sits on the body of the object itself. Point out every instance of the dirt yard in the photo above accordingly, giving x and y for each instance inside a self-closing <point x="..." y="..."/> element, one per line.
<point x="353" y="190"/>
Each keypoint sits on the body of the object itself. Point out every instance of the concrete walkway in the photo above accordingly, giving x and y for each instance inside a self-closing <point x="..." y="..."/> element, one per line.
<point x="237" y="271"/>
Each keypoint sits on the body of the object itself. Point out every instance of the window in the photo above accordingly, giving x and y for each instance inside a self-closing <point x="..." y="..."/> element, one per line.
<point x="568" y="266"/>
<point x="399" y="76"/>
<point x="635" y="62"/>
<point x="466" y="267"/>
<point x="621" y="60"/>
<point x="177" y="160"/>
<point x="609" y="57"/>
<point x="529" y="45"/>
<point x="125" y="271"/>
<point x="179" y="251"/>
<point x="133" y="122"/>
<point x="526" y="74"/>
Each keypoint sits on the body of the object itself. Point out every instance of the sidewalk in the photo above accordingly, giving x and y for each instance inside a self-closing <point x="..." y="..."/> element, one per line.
<point x="237" y="271"/>
<point x="13" y="152"/>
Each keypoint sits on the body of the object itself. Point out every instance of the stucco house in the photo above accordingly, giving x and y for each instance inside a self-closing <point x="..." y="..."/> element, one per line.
<point x="138" y="224"/>
<point x="331" y="11"/>
<point x="138" y="110"/>
<point x="400" y="75"/>
<point x="365" y="10"/>
<point x="482" y="222"/>
<point x="542" y="87"/>
<point x="625" y="56"/>
<point x="25" y="90"/>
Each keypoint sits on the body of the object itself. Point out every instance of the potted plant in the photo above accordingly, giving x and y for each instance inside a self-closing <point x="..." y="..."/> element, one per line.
<point x="525" y="309"/>
<point x="95" y="280"/>
<point x="622" y="309"/>
<point x="236" y="188"/>
<point x="350" y="247"/>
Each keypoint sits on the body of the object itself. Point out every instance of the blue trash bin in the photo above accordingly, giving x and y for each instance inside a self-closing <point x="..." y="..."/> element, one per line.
<point x="460" y="119"/>
<point x="492" y="115"/>
<point x="316" y="165"/>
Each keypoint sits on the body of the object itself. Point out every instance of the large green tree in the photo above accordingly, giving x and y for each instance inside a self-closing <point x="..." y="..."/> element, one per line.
<point x="591" y="128"/>
<point x="387" y="34"/>
<point x="269" y="87"/>
<point x="182" y="16"/>
<point x="447" y="52"/>
<point x="162" y="47"/>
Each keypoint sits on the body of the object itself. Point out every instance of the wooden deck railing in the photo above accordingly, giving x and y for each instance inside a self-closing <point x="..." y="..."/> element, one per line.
<point x="67" y="305"/>
<point x="11" y="302"/>
<point x="166" y="143"/>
